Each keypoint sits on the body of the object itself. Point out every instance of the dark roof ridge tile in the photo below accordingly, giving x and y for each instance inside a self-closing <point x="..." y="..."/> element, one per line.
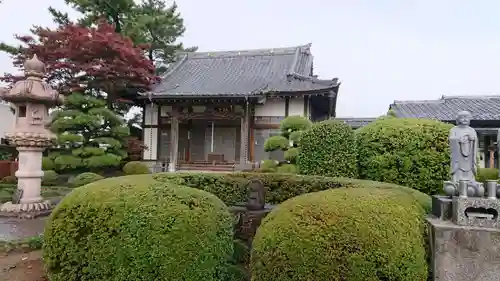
<point x="248" y="52"/>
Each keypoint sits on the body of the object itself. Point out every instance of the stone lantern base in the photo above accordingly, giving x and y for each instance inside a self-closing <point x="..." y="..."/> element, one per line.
<point x="26" y="210"/>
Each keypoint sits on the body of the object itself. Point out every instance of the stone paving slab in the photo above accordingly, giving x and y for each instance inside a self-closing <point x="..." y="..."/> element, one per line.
<point x="15" y="229"/>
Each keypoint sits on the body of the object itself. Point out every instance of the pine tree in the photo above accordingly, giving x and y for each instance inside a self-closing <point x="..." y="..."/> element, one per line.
<point x="91" y="136"/>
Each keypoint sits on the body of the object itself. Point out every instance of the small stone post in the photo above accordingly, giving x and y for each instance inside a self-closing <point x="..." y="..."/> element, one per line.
<point x="31" y="98"/>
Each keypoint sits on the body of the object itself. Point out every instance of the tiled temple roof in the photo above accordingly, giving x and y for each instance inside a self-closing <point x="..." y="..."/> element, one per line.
<point x="446" y="108"/>
<point x="242" y="73"/>
<point x="355" y="122"/>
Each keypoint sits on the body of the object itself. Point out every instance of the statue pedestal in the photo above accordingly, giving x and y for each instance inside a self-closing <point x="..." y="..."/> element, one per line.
<point x="463" y="253"/>
<point x="29" y="181"/>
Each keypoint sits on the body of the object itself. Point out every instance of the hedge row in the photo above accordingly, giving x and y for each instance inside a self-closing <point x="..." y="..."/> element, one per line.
<point x="231" y="188"/>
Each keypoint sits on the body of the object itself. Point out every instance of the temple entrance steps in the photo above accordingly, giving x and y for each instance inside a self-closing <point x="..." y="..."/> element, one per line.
<point x="205" y="166"/>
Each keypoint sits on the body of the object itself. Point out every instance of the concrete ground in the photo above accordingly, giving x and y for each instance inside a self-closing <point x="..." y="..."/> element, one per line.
<point x="15" y="229"/>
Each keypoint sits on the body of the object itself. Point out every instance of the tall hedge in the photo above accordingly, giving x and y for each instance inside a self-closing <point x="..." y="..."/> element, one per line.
<point x="409" y="152"/>
<point x="328" y="148"/>
<point x="136" y="228"/>
<point x="342" y="234"/>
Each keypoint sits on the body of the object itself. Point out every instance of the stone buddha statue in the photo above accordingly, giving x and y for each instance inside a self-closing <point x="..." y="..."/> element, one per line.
<point x="464" y="149"/>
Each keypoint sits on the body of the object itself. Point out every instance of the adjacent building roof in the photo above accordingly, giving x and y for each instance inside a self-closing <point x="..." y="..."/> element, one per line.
<point x="355" y="122"/>
<point x="446" y="108"/>
<point x="242" y="73"/>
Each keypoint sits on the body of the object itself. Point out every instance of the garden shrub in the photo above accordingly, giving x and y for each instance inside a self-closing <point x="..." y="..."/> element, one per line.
<point x="9" y="180"/>
<point x="328" y="148"/>
<point x="50" y="178"/>
<point x="294" y="123"/>
<point x="135" y="228"/>
<point x="484" y="174"/>
<point x="48" y="164"/>
<point x="287" y="169"/>
<point x="409" y="152"/>
<point x="291" y="154"/>
<point x="231" y="188"/>
<point x="342" y="234"/>
<point x="135" y="168"/>
<point x="84" y="178"/>
<point x="276" y="143"/>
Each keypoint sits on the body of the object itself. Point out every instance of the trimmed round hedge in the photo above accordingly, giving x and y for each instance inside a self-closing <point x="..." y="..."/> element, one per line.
<point x="342" y="234"/>
<point x="135" y="168"/>
<point x="328" y="148"/>
<point x="136" y="228"/>
<point x="409" y="152"/>
<point x="232" y="188"/>
<point x="84" y="178"/>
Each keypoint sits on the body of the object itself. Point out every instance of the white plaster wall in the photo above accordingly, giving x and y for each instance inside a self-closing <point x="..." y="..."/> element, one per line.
<point x="151" y="114"/>
<point x="8" y="119"/>
<point x="151" y="142"/>
<point x="296" y="107"/>
<point x="271" y="107"/>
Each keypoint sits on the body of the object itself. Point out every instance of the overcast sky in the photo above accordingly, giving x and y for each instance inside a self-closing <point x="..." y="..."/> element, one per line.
<point x="381" y="50"/>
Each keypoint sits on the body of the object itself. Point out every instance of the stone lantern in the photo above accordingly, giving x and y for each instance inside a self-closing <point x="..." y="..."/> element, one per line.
<point x="31" y="98"/>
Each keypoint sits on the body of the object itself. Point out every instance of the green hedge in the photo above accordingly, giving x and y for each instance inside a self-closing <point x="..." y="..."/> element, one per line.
<point x="135" y="228"/>
<point x="230" y="187"/>
<point x="135" y="168"/>
<point x="343" y="234"/>
<point x="328" y="148"/>
<point x="84" y="178"/>
<point x="50" y="178"/>
<point x="484" y="174"/>
<point x="409" y="152"/>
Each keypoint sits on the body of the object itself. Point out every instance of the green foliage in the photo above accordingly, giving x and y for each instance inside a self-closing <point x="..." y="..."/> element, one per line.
<point x="295" y="137"/>
<point x="9" y="180"/>
<point x="25" y="245"/>
<point x="409" y="152"/>
<point x="291" y="154"/>
<point x="48" y="164"/>
<point x="269" y="164"/>
<point x="328" y="148"/>
<point x="135" y="228"/>
<point x="7" y="191"/>
<point x="92" y="135"/>
<point x="84" y="178"/>
<point x="232" y="188"/>
<point x="135" y="168"/>
<point x="294" y="124"/>
<point x="50" y="178"/>
<point x="150" y="22"/>
<point x="484" y="174"/>
<point x="287" y="169"/>
<point x="343" y="234"/>
<point x="276" y="143"/>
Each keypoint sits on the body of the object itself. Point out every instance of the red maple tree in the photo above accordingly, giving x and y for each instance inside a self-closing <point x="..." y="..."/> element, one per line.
<point x="94" y="60"/>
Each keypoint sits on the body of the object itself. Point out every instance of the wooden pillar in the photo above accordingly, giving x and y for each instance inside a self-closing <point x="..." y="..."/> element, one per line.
<point x="245" y="121"/>
<point x="174" y="141"/>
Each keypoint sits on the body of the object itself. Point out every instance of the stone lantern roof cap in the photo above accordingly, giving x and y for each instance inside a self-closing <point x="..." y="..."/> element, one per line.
<point x="33" y="89"/>
<point x="34" y="67"/>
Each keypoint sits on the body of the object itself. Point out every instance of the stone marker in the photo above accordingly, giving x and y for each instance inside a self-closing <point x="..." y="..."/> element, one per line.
<point x="31" y="98"/>
<point x="464" y="228"/>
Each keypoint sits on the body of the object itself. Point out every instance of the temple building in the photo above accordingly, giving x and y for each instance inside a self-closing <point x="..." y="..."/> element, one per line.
<point x="485" y="112"/>
<point x="217" y="108"/>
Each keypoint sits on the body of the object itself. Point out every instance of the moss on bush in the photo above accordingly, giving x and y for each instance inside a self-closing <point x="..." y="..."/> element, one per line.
<point x="328" y="148"/>
<point x="231" y="188"/>
<point x="135" y="228"/>
<point x="135" y="168"/>
<point x="484" y="174"/>
<point x="84" y="178"/>
<point x="50" y="178"/>
<point x="409" y="152"/>
<point x="343" y="234"/>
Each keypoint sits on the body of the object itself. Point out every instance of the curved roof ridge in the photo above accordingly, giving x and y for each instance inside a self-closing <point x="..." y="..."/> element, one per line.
<point x="489" y="96"/>
<point x="248" y="52"/>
